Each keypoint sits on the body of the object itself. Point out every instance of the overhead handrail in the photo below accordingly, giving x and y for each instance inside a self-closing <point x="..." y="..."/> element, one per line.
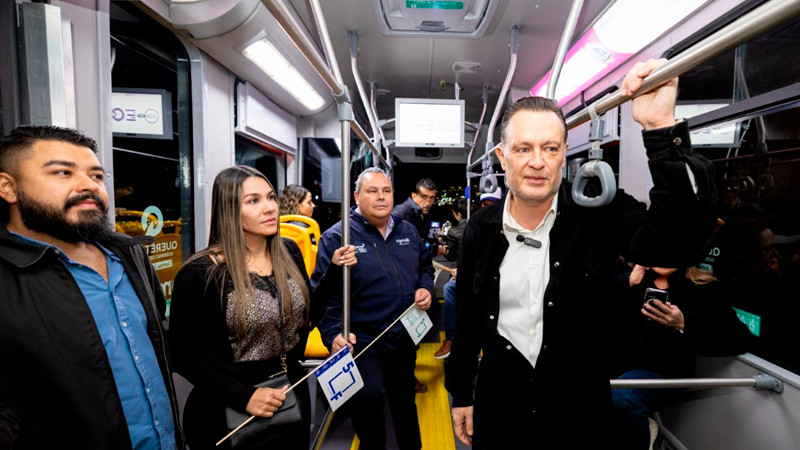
<point x="728" y="37"/>
<point x="360" y="86"/>
<point x="514" y="48"/>
<point x="761" y="382"/>
<point x="563" y="46"/>
<point x="478" y="128"/>
<point x="339" y="91"/>
<point x="373" y="89"/>
<point x="488" y="180"/>
<point x="325" y="38"/>
<point x="750" y="25"/>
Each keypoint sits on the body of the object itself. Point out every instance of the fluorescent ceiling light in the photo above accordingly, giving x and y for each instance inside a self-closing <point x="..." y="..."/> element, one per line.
<point x="264" y="55"/>
<point x="624" y="29"/>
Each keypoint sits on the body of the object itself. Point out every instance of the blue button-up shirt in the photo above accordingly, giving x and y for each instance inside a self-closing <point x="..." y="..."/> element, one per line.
<point x="122" y="323"/>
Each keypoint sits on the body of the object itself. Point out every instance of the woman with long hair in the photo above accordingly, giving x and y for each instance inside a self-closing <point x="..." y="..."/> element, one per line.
<point x="241" y="312"/>
<point x="296" y="199"/>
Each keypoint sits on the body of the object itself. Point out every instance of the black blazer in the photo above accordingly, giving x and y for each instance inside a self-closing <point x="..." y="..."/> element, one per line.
<point x="511" y="399"/>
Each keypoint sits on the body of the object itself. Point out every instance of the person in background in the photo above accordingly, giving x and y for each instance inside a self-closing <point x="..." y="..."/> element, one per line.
<point x="487" y="198"/>
<point x="453" y="240"/>
<point x="661" y="339"/>
<point x="296" y="199"/>
<point x="417" y="211"/>
<point x="240" y="313"/>
<point x="83" y="349"/>
<point x="394" y="272"/>
<point x="533" y="315"/>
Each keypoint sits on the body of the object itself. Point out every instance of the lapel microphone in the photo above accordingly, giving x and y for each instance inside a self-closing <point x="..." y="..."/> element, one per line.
<point x="528" y="241"/>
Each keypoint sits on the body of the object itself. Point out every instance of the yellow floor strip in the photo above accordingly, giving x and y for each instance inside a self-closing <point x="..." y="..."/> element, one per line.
<point x="433" y="407"/>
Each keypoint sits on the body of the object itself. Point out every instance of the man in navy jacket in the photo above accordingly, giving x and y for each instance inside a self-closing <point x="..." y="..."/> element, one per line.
<point x="535" y="273"/>
<point x="393" y="272"/>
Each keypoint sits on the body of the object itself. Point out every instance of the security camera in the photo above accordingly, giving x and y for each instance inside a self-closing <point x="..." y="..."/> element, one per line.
<point x="442" y="84"/>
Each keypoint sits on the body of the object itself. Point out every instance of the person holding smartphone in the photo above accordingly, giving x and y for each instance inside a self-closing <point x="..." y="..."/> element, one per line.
<point x="673" y="315"/>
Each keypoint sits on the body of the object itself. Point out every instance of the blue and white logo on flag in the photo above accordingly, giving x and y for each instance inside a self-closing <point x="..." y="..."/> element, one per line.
<point x="417" y="324"/>
<point x="339" y="378"/>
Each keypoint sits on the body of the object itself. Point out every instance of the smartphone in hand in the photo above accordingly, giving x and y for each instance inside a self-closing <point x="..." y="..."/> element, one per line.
<point x="651" y="294"/>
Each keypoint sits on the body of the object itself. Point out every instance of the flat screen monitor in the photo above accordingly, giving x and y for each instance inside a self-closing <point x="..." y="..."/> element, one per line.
<point x="141" y="113"/>
<point x="423" y="122"/>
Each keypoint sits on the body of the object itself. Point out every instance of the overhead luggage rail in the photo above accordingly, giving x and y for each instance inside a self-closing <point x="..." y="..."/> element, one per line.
<point x="747" y="27"/>
<point x="762" y="382"/>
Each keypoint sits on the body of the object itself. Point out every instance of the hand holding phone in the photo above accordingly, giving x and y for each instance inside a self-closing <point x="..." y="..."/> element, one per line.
<point x="651" y="294"/>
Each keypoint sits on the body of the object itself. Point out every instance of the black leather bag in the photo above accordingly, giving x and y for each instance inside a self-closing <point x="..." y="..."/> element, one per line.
<point x="260" y="431"/>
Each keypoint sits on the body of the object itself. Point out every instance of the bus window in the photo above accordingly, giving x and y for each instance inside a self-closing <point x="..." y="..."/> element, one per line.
<point x="271" y="163"/>
<point x="756" y="152"/>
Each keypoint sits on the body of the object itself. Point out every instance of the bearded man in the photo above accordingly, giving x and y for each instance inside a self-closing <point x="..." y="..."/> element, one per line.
<point x="83" y="359"/>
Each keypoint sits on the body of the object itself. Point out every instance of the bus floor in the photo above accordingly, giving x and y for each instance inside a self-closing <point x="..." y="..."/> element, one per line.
<point x="433" y="409"/>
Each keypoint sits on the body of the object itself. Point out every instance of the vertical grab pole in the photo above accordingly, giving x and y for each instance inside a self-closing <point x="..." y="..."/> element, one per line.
<point x="345" y="117"/>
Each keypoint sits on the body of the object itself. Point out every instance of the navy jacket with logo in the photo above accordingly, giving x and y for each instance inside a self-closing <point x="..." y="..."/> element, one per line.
<point x="382" y="284"/>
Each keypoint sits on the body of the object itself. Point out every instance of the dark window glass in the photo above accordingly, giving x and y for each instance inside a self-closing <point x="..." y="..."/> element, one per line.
<point x="753" y="138"/>
<point x="271" y="163"/>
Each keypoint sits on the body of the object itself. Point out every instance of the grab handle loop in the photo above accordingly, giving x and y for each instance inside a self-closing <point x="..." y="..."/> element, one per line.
<point x="595" y="167"/>
<point x="489" y="183"/>
<point x="608" y="184"/>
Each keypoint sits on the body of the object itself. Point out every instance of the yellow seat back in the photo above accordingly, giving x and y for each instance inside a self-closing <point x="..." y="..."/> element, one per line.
<point x="305" y="237"/>
<point x="314" y="347"/>
<point x="308" y="247"/>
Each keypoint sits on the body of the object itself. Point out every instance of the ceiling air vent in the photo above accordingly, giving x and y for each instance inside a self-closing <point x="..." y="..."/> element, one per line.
<point x="427" y="153"/>
<point x="463" y="18"/>
<point x="432" y="26"/>
<point x="466" y="67"/>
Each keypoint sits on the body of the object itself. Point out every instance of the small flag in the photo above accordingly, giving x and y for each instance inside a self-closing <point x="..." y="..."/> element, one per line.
<point x="339" y="378"/>
<point x="417" y="324"/>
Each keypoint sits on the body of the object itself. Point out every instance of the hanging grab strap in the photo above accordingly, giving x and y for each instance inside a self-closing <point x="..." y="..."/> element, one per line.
<point x="595" y="167"/>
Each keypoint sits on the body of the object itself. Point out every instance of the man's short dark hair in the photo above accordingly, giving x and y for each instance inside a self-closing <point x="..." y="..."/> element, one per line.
<point x="460" y="206"/>
<point x="21" y="139"/>
<point x="531" y="104"/>
<point x="426" y="183"/>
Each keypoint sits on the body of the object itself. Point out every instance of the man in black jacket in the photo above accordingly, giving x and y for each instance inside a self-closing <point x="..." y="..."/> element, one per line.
<point x="535" y="272"/>
<point x="83" y="351"/>
<point x="416" y="210"/>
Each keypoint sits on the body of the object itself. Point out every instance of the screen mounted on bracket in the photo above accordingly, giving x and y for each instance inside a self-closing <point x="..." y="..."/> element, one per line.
<point x="428" y="122"/>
